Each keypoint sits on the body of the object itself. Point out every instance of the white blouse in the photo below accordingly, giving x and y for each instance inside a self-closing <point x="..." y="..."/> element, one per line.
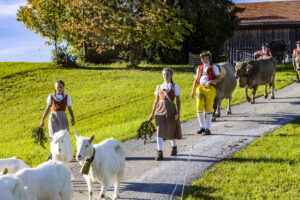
<point x="167" y="87"/>
<point x="59" y="97"/>
<point x="204" y="78"/>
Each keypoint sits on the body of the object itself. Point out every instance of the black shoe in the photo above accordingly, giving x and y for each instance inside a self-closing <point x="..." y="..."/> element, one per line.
<point x="49" y="157"/>
<point x="174" y="151"/>
<point x="202" y="130"/>
<point x="207" y="132"/>
<point x="298" y="81"/>
<point x="159" y="156"/>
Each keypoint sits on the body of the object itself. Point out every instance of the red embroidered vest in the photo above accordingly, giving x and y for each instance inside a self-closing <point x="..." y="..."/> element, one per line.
<point x="210" y="73"/>
<point x="296" y="51"/>
<point x="261" y="53"/>
<point x="59" y="105"/>
<point x="171" y="94"/>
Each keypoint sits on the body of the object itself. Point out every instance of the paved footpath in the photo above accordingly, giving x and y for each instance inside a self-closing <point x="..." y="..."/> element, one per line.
<point x="146" y="178"/>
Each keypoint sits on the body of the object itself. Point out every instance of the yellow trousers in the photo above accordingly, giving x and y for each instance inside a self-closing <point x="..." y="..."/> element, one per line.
<point x="206" y="98"/>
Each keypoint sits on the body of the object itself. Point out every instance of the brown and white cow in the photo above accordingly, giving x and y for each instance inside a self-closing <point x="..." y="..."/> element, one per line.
<point x="251" y="74"/>
<point x="224" y="89"/>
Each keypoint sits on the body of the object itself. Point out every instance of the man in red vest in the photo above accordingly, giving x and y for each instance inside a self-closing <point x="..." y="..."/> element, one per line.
<point x="264" y="52"/>
<point x="208" y="74"/>
<point x="296" y="53"/>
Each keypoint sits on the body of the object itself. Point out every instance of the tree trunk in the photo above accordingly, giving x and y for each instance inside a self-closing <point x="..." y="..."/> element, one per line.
<point x="85" y="52"/>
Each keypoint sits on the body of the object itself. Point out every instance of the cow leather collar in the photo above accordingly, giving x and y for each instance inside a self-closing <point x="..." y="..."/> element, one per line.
<point x="90" y="160"/>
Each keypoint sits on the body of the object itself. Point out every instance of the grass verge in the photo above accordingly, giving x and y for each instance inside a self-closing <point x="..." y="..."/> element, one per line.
<point x="267" y="169"/>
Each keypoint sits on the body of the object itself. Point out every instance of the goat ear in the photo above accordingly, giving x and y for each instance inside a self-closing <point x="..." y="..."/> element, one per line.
<point x="76" y="134"/>
<point x="5" y="171"/>
<point x="49" y="137"/>
<point x="92" y="139"/>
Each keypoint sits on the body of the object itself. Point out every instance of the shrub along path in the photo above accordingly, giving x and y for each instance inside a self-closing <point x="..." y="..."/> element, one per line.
<point x="146" y="178"/>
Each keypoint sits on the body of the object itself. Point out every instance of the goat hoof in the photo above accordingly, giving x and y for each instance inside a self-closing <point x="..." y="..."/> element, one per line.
<point x="248" y="99"/>
<point x="102" y="195"/>
<point x="266" y="96"/>
<point x="214" y="119"/>
<point x="252" y="101"/>
<point x="229" y="112"/>
<point x="272" y="97"/>
<point x="217" y="115"/>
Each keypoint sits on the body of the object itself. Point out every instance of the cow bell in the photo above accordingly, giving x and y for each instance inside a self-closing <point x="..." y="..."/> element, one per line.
<point x="85" y="169"/>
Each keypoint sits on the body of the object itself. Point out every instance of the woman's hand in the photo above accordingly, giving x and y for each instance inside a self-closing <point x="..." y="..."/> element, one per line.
<point x="150" y="118"/>
<point x="73" y="121"/>
<point x="177" y="116"/>
<point x="192" y="95"/>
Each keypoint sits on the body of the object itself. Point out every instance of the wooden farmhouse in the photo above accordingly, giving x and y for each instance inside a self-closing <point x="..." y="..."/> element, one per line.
<point x="261" y="22"/>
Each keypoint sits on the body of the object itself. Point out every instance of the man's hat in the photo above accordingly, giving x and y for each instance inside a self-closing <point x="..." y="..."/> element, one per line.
<point x="298" y="42"/>
<point x="205" y="53"/>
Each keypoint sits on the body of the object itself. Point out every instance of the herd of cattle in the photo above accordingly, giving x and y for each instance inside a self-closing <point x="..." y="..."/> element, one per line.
<point x="105" y="162"/>
<point x="249" y="75"/>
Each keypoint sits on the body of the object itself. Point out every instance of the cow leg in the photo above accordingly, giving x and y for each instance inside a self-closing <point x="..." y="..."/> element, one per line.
<point x="217" y="102"/>
<point x="253" y="94"/>
<point x="246" y="93"/>
<point x="215" y="109"/>
<point x="272" y="88"/>
<point x="219" y="108"/>
<point x="266" y="91"/>
<point x="229" y="106"/>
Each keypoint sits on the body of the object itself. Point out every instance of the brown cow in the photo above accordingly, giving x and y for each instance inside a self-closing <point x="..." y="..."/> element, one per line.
<point x="253" y="73"/>
<point x="224" y="89"/>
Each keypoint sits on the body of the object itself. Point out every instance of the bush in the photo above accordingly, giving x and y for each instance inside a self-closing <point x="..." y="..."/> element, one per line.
<point x="63" y="57"/>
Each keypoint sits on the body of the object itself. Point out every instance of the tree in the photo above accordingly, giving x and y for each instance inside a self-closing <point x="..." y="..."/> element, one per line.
<point x="213" y="23"/>
<point x="44" y="17"/>
<point x="132" y="24"/>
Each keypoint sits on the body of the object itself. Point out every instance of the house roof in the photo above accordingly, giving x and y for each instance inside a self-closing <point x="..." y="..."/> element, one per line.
<point x="270" y="12"/>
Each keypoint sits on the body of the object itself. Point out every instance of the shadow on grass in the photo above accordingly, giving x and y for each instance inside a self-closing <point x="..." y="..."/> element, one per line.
<point x="200" y="192"/>
<point x="142" y="68"/>
<point x="261" y="160"/>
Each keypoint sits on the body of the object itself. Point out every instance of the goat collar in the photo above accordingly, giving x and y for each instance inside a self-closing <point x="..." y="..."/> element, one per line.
<point x="90" y="160"/>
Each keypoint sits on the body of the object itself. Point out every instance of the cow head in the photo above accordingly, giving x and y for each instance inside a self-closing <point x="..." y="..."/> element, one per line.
<point x="242" y="71"/>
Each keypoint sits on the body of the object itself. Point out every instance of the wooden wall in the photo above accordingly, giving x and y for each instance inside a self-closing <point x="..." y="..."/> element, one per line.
<point x="248" y="40"/>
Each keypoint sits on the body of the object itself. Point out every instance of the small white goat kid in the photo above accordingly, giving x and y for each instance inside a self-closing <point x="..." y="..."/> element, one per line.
<point x="12" y="164"/>
<point x="61" y="147"/>
<point x="11" y="188"/>
<point x="49" y="181"/>
<point x="107" y="165"/>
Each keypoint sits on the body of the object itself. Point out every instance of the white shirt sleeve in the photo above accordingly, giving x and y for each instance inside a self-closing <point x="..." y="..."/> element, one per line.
<point x="49" y="103"/>
<point x="270" y="53"/>
<point x="156" y="91"/>
<point x="216" y="70"/>
<point x="176" y="90"/>
<point x="69" y="102"/>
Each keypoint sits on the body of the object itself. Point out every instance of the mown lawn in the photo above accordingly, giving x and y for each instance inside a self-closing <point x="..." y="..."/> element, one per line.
<point x="107" y="100"/>
<point x="266" y="169"/>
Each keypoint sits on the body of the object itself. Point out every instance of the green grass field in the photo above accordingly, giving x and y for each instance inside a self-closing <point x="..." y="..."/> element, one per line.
<point x="267" y="169"/>
<point x="107" y="100"/>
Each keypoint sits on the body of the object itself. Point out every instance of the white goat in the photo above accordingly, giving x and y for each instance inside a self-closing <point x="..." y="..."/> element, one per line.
<point x="12" y="188"/>
<point x="61" y="147"/>
<point x="12" y="164"/>
<point x="108" y="163"/>
<point x="49" y="181"/>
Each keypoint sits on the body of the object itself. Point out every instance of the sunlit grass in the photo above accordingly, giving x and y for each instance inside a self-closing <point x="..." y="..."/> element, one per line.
<point x="107" y="100"/>
<point x="266" y="169"/>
